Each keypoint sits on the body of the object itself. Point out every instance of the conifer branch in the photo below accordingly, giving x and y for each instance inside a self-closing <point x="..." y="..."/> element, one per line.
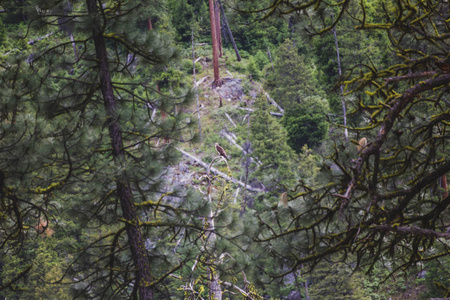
<point x="414" y="230"/>
<point x="393" y="114"/>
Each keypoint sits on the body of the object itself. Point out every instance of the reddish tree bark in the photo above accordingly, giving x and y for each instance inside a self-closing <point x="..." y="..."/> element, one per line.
<point x="215" y="45"/>
<point x="124" y="193"/>
<point x="218" y="27"/>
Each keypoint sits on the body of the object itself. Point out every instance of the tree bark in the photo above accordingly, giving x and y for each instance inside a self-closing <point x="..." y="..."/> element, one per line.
<point x="218" y="27"/>
<point x="215" y="45"/>
<point x="215" y="291"/>
<point x="124" y="193"/>
<point x="74" y="46"/>
<point x="306" y="287"/>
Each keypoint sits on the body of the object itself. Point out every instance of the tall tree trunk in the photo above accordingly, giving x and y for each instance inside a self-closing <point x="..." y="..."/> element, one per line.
<point x="149" y="24"/>
<point x="247" y="162"/>
<point x="306" y="286"/>
<point x="215" y="45"/>
<point x="74" y="46"/>
<point x="218" y="27"/>
<point x="228" y="30"/>
<point x="298" y="284"/>
<point x="215" y="291"/>
<point x="135" y="237"/>
<point x="195" y="81"/>
<point x="344" y="109"/>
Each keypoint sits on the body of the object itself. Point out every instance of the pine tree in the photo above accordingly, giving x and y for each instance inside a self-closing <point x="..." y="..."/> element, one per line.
<point x="293" y="79"/>
<point x="335" y="281"/>
<point x="382" y="202"/>
<point x="80" y="142"/>
<point x="306" y="122"/>
<point x="183" y="18"/>
<point x="270" y="148"/>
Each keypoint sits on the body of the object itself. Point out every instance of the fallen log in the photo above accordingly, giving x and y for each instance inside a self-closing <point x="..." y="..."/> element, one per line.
<point x="215" y="171"/>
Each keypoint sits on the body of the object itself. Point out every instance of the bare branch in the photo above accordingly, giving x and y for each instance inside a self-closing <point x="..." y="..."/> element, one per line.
<point x="215" y="171"/>
<point x="413" y="230"/>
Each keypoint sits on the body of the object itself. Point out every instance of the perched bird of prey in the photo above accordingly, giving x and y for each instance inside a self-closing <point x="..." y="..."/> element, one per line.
<point x="221" y="151"/>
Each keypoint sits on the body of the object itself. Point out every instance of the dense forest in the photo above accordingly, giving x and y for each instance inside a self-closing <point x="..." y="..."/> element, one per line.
<point x="224" y="149"/>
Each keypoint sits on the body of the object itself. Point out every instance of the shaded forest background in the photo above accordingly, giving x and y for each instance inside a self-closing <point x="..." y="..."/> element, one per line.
<point x="334" y="118"/>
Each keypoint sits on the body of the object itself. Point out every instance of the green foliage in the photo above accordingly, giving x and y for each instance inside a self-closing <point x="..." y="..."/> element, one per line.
<point x="269" y="144"/>
<point x="308" y="165"/>
<point x="17" y="11"/>
<point x="306" y="122"/>
<point x="261" y="59"/>
<point x="86" y="140"/>
<point x="183" y="18"/>
<point x="42" y="281"/>
<point x="381" y="206"/>
<point x="253" y="69"/>
<point x="381" y="203"/>
<point x="326" y="58"/>
<point x="170" y="78"/>
<point x="202" y="28"/>
<point x="188" y="67"/>
<point x="251" y="35"/>
<point x="293" y="79"/>
<point x="437" y="279"/>
<point x="232" y="63"/>
<point x="335" y="281"/>
<point x="2" y="33"/>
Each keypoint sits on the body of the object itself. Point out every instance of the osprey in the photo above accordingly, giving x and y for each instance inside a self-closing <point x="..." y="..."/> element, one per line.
<point x="221" y="151"/>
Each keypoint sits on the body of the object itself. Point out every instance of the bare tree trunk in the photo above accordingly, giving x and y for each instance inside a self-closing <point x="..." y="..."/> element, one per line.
<point x="297" y="284"/>
<point x="221" y="174"/>
<point x="247" y="163"/>
<point x="228" y="30"/>
<point x="135" y="237"/>
<point x="344" y="109"/>
<point x="306" y="287"/>
<point x="218" y="27"/>
<point x="74" y="46"/>
<point x="149" y="24"/>
<point x="196" y="95"/>
<point x="215" y="291"/>
<point x="215" y="45"/>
